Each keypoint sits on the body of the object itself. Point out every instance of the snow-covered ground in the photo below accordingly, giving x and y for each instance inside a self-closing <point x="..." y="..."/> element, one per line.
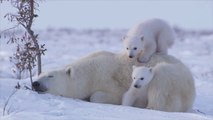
<point x="66" y="45"/>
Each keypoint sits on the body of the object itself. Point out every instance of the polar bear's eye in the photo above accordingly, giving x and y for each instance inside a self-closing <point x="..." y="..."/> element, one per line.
<point x="127" y="48"/>
<point x="142" y="78"/>
<point x="135" y="48"/>
<point x="134" y="77"/>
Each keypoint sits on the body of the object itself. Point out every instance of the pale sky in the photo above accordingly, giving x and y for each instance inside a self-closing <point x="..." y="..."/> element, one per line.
<point x="190" y="14"/>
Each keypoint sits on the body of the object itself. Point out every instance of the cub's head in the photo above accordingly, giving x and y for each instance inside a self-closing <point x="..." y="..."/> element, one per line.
<point x="141" y="76"/>
<point x="54" y="82"/>
<point x="133" y="45"/>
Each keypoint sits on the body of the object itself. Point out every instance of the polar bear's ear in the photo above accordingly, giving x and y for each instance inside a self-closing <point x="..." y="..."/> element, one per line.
<point x="68" y="71"/>
<point x="133" y="67"/>
<point x="142" y="38"/>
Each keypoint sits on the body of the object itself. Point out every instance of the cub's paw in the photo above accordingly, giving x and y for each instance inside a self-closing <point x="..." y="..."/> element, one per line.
<point x="143" y="59"/>
<point x="151" y="108"/>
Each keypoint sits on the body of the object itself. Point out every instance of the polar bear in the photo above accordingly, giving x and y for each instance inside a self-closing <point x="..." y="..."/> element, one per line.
<point x="165" y="87"/>
<point x="148" y="37"/>
<point x="101" y="77"/>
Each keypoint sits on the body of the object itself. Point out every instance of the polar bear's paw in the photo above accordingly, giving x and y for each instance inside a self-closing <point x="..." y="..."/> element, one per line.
<point x="143" y="59"/>
<point x="101" y="97"/>
<point x="151" y="108"/>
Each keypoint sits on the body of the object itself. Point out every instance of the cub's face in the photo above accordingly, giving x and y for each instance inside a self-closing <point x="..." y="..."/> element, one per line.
<point x="133" y="45"/>
<point x="141" y="76"/>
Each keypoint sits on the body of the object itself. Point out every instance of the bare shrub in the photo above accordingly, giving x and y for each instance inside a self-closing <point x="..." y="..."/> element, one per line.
<point x="28" y="49"/>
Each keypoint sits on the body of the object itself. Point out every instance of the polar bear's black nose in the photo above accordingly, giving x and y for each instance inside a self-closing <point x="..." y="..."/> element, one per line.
<point x="130" y="56"/>
<point x="36" y="85"/>
<point x="136" y="86"/>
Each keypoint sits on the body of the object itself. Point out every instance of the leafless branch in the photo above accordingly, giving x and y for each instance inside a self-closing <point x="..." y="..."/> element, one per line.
<point x="8" y="29"/>
<point x="7" y="101"/>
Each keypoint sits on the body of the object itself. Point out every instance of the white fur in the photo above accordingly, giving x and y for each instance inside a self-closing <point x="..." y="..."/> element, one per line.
<point x="101" y="77"/>
<point x="167" y="87"/>
<point x="148" y="37"/>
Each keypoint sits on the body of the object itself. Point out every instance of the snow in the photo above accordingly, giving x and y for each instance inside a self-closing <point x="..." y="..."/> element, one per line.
<point x="67" y="45"/>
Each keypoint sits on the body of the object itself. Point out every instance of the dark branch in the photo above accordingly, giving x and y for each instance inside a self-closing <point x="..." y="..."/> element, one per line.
<point x="31" y="13"/>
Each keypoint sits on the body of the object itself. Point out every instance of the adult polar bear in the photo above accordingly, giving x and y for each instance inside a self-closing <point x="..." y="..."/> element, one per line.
<point x="102" y="77"/>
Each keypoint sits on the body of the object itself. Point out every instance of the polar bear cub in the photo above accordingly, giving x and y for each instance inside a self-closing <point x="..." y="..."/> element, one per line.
<point x="141" y="76"/>
<point x="148" y="37"/>
<point x="165" y="87"/>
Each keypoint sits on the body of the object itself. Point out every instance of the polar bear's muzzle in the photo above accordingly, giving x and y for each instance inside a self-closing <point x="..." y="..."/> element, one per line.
<point x="137" y="86"/>
<point x="38" y="87"/>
